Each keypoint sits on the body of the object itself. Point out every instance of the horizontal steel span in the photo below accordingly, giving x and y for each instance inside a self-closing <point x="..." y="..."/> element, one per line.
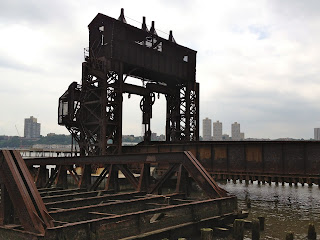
<point x="175" y="163"/>
<point x="283" y="161"/>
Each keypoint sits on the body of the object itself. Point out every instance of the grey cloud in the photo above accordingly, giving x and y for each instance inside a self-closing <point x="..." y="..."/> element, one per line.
<point x="295" y="8"/>
<point x="17" y="65"/>
<point x="34" y="12"/>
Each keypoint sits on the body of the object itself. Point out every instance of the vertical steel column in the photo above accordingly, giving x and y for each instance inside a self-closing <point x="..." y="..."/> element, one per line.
<point x="173" y="116"/>
<point x="62" y="180"/>
<point x="103" y="120"/>
<point x="99" y="119"/>
<point x="42" y="176"/>
<point x="183" y="113"/>
<point x="195" y="112"/>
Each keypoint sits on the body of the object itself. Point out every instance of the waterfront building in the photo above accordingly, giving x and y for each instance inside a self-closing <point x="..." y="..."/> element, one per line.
<point x="217" y="131"/>
<point x="31" y="128"/>
<point x="162" y="137"/>
<point x="206" y="128"/>
<point x="241" y="136"/>
<point x="317" y="134"/>
<point x="225" y="137"/>
<point x="154" y="136"/>
<point x="235" y="131"/>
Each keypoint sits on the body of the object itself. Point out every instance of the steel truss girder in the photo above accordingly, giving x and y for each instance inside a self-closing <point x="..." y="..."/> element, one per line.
<point x="98" y="128"/>
<point x="183" y="113"/>
<point x="178" y="162"/>
<point x="96" y="108"/>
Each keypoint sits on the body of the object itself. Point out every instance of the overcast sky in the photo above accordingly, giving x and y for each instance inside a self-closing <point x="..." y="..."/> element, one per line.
<point x="257" y="61"/>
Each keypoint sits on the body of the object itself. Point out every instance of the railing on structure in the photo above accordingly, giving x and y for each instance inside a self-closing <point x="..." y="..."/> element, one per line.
<point x="41" y="153"/>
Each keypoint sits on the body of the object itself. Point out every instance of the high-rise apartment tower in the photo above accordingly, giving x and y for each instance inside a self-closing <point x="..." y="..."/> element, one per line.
<point x="31" y="128"/>
<point x="206" y="127"/>
<point x="317" y="134"/>
<point x="235" y="131"/>
<point x="217" y="131"/>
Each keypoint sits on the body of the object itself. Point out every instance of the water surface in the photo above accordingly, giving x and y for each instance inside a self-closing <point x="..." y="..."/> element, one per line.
<point x="286" y="208"/>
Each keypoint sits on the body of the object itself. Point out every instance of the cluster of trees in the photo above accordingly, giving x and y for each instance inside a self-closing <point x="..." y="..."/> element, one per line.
<point x="17" y="142"/>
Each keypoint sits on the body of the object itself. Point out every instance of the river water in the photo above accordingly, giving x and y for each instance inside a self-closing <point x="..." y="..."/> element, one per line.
<point x="285" y="208"/>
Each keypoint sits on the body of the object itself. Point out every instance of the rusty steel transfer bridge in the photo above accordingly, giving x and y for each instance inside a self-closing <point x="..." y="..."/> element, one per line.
<point x="92" y="111"/>
<point x="148" y="191"/>
<point x="104" y="194"/>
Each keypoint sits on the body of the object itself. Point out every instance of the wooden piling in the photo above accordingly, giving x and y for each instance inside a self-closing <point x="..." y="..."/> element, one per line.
<point x="289" y="236"/>
<point x="261" y="221"/>
<point x="238" y="229"/>
<point x="248" y="203"/>
<point x="312" y="235"/>
<point x="255" y="228"/>
<point x="309" y="182"/>
<point x="206" y="234"/>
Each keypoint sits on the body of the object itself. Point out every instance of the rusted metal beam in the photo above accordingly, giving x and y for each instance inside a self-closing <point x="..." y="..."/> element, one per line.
<point x="101" y="177"/>
<point x="172" y="157"/>
<point x="128" y="174"/>
<point x="116" y="207"/>
<point x="59" y="191"/>
<point x="92" y="200"/>
<point x="202" y="177"/>
<point x="23" y="193"/>
<point x="144" y="179"/>
<point x="171" y="170"/>
<point x="80" y="193"/>
<point x="129" y="224"/>
<point x="133" y="89"/>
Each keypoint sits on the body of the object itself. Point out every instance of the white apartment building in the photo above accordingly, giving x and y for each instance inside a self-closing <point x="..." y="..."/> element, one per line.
<point x="206" y="128"/>
<point x="317" y="134"/>
<point x="235" y="131"/>
<point x="217" y="131"/>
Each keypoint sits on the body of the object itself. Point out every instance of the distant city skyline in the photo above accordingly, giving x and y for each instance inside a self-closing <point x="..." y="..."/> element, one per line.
<point x="217" y="132"/>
